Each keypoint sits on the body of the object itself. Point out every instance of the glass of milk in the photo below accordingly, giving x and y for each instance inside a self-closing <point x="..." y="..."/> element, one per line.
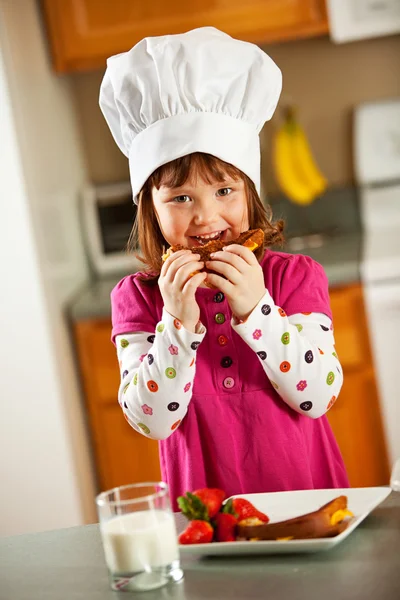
<point x="139" y="536"/>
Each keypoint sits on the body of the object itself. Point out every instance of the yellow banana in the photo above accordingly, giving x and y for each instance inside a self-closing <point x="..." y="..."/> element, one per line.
<point x="285" y="169"/>
<point x="297" y="173"/>
<point x="307" y="168"/>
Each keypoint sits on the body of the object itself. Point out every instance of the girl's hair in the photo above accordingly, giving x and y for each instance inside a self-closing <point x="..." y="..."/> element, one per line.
<point x="146" y="232"/>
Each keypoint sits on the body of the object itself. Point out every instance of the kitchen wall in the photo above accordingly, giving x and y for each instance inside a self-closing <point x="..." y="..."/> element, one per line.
<point x="46" y="471"/>
<point x="325" y="80"/>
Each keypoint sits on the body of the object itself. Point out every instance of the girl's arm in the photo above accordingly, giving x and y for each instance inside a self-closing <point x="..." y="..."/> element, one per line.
<point x="298" y="355"/>
<point x="157" y="373"/>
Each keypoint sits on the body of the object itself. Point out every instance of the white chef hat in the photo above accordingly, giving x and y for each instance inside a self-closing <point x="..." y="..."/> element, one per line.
<point x="200" y="91"/>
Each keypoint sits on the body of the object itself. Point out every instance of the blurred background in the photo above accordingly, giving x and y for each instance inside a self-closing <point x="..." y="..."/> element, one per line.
<point x="330" y="168"/>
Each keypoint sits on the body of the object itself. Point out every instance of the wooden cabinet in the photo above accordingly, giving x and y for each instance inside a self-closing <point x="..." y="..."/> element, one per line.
<point x="356" y="418"/>
<point x="124" y="456"/>
<point x="83" y="33"/>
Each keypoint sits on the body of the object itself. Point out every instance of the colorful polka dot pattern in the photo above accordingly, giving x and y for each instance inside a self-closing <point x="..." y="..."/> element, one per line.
<point x="152" y="385"/>
<point x="170" y="373"/>
<point x="285" y="365"/>
<point x="301" y="385"/>
<point x="144" y="428"/>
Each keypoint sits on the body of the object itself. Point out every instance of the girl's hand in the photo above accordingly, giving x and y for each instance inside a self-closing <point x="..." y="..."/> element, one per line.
<point x="244" y="284"/>
<point x="178" y="287"/>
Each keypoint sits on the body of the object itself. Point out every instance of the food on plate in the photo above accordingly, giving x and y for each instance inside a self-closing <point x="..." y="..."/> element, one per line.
<point x="212" y="498"/>
<point x="201" y="504"/>
<point x="205" y="507"/>
<point x="245" y="510"/>
<point x="328" y="521"/>
<point x="225" y="527"/>
<point x="210" y="519"/>
<point x="197" y="532"/>
<point x="251" y="239"/>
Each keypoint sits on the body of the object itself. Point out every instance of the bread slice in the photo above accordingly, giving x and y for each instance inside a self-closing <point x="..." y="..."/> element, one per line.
<point x="252" y="239"/>
<point x="330" y="520"/>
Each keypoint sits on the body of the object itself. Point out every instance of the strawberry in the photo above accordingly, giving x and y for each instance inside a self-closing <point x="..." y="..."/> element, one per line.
<point x="225" y="527"/>
<point x="202" y="504"/>
<point x="197" y="532"/>
<point x="212" y="498"/>
<point x="244" y="509"/>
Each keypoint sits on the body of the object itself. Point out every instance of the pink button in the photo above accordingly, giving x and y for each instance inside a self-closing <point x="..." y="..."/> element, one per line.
<point x="228" y="382"/>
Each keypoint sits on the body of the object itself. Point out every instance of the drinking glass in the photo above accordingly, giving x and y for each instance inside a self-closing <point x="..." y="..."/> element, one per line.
<point x="139" y="536"/>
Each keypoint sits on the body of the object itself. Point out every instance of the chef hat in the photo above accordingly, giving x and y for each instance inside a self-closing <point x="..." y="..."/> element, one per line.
<point x="200" y="91"/>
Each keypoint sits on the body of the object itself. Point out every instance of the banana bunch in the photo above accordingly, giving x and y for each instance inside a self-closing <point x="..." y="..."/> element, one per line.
<point x="297" y="174"/>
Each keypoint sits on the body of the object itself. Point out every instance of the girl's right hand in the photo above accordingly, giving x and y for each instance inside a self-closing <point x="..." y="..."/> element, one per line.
<point x="178" y="287"/>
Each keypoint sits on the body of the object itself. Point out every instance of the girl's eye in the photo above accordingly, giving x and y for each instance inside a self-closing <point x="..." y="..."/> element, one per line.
<point x="224" y="191"/>
<point x="181" y="199"/>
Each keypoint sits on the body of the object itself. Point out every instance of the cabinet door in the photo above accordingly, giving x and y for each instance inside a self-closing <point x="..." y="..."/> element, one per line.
<point x="356" y="422"/>
<point x="356" y="417"/>
<point x="351" y="333"/>
<point x="121" y="454"/>
<point x="83" y="33"/>
<point x="127" y="456"/>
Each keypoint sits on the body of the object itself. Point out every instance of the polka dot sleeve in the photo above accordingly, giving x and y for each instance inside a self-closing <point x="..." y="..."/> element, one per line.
<point x="157" y="373"/>
<point x="298" y="355"/>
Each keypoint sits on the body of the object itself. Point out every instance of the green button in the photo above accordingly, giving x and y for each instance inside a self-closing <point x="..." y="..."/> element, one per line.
<point x="220" y="318"/>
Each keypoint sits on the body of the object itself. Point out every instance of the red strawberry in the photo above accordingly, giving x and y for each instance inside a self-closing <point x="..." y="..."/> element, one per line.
<point x="225" y="527"/>
<point x="244" y="509"/>
<point x="197" y="532"/>
<point x="201" y="505"/>
<point x="212" y="498"/>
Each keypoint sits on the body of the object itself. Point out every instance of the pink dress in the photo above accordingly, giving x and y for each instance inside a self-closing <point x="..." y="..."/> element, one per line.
<point x="242" y="437"/>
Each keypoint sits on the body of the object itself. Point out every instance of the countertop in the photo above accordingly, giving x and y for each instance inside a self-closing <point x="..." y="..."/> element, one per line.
<point x="68" y="564"/>
<point x="340" y="256"/>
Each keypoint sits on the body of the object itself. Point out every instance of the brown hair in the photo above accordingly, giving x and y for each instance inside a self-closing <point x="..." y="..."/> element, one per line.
<point x="146" y="231"/>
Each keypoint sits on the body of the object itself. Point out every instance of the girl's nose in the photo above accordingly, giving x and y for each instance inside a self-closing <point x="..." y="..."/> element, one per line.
<point x="205" y="213"/>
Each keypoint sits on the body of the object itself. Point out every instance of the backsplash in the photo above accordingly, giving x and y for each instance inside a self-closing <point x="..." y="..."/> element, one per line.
<point x="334" y="213"/>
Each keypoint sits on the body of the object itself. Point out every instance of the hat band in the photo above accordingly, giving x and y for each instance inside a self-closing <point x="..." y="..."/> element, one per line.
<point x="226" y="138"/>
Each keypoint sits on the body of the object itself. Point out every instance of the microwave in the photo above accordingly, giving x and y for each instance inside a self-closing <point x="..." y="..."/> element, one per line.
<point x="107" y="216"/>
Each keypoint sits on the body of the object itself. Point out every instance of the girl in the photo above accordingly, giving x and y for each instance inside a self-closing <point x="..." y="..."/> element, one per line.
<point x="234" y="381"/>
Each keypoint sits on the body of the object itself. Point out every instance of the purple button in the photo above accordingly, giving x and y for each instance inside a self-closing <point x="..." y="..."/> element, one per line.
<point x="228" y="382"/>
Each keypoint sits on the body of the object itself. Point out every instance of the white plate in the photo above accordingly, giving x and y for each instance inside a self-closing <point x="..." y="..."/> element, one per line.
<point x="286" y="505"/>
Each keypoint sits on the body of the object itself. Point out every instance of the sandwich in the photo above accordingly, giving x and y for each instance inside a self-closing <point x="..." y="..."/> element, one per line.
<point x="251" y="239"/>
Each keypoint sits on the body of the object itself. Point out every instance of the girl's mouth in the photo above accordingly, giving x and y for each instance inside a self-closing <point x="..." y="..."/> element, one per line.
<point x="201" y="240"/>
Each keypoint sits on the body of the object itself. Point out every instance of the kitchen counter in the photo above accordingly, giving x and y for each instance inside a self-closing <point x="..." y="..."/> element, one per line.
<point x="339" y="255"/>
<point x="69" y="564"/>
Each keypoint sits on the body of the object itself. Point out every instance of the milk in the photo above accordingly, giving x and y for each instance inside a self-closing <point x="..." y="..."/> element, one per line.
<point x="136" y="541"/>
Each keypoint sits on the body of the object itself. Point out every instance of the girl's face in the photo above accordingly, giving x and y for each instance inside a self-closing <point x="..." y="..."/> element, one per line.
<point x="198" y="211"/>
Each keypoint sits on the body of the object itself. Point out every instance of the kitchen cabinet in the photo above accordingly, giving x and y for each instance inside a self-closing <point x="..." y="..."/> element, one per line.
<point x="83" y="33"/>
<point x="356" y="418"/>
<point x="124" y="456"/>
<point x="121" y="455"/>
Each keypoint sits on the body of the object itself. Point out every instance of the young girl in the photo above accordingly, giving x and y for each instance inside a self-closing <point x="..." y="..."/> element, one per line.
<point x="234" y="381"/>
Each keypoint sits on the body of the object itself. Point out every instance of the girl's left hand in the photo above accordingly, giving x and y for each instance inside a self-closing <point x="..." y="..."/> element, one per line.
<point x="244" y="284"/>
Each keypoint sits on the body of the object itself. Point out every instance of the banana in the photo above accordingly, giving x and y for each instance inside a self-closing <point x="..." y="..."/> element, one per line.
<point x="296" y="171"/>
<point x="285" y="169"/>
<point x="307" y="166"/>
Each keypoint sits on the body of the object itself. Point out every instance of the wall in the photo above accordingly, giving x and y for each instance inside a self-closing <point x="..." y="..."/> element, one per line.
<point x="46" y="470"/>
<point x="325" y="80"/>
